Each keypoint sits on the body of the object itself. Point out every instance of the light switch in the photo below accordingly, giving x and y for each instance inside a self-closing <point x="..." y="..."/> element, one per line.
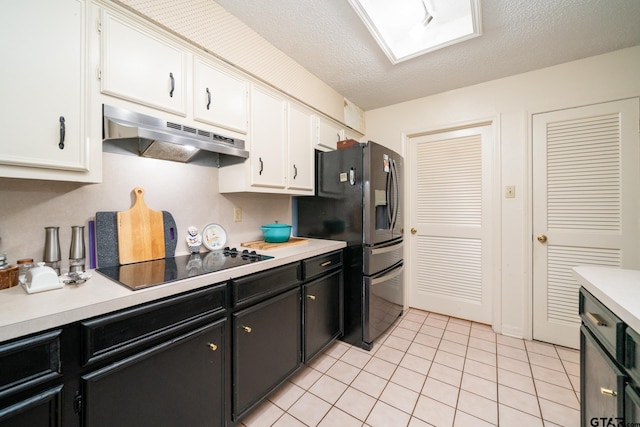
<point x="237" y="214"/>
<point x="510" y="192"/>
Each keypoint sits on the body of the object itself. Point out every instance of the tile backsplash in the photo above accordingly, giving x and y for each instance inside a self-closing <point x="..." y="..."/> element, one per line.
<point x="188" y="192"/>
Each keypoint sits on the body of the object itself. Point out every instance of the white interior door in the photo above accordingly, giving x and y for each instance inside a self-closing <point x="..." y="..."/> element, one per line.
<point x="586" y="206"/>
<point x="451" y="246"/>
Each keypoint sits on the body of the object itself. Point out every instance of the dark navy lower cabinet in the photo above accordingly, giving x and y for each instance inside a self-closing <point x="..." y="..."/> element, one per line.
<point x="266" y="348"/>
<point x="178" y="382"/>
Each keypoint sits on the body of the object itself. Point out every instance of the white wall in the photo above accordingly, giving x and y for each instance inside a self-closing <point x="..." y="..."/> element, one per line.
<point x="188" y="192"/>
<point x="510" y="102"/>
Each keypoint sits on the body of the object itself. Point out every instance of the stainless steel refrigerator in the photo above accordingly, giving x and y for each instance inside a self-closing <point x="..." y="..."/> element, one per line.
<point x="359" y="199"/>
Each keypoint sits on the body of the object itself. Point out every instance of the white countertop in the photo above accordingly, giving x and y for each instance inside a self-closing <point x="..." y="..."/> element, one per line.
<point x="22" y="313"/>
<point x="618" y="289"/>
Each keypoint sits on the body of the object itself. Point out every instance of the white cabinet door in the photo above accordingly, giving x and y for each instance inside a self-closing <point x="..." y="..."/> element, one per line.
<point x="300" y="173"/>
<point x="141" y="67"/>
<point x="268" y="138"/>
<point x="43" y="87"/>
<point x="327" y="134"/>
<point x="220" y="98"/>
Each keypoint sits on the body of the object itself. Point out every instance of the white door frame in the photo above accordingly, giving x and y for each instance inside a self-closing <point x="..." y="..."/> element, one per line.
<point x="494" y="122"/>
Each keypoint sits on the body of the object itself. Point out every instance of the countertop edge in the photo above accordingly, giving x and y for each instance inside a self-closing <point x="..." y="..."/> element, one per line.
<point x="618" y="289"/>
<point x="23" y="314"/>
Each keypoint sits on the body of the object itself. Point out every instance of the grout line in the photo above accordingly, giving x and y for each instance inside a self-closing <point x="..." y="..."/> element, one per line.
<point x="416" y="333"/>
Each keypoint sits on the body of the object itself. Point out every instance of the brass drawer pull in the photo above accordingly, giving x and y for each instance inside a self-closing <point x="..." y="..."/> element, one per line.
<point x="596" y="319"/>
<point x="311" y="297"/>
<point x="326" y="263"/>
<point x="247" y="329"/>
<point x="213" y="347"/>
<point x="608" y="392"/>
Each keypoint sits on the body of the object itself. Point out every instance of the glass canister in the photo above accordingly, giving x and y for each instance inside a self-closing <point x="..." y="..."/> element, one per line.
<point x="23" y="266"/>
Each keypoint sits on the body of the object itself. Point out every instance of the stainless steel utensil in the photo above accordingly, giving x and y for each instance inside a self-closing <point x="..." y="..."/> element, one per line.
<point x="51" y="255"/>
<point x="77" y="250"/>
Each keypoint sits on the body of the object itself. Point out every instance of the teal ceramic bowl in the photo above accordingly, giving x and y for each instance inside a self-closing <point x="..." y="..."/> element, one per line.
<point x="276" y="233"/>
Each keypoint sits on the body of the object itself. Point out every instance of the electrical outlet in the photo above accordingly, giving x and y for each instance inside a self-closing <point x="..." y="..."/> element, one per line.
<point x="510" y="192"/>
<point x="237" y="214"/>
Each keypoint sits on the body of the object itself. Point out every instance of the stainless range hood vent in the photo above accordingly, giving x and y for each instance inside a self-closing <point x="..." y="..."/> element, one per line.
<point x="128" y="132"/>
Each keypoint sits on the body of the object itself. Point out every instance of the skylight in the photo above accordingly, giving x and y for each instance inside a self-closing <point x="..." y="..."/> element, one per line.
<point x="405" y="29"/>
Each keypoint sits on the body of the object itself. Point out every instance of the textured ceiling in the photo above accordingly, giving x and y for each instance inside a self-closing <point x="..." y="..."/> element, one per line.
<point x="327" y="38"/>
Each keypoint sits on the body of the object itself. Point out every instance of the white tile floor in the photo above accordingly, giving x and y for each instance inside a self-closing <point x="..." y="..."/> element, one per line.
<point x="431" y="370"/>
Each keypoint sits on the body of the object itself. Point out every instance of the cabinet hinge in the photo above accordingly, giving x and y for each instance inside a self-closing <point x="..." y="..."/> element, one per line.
<point x="99" y="25"/>
<point x="99" y="73"/>
<point x="77" y="403"/>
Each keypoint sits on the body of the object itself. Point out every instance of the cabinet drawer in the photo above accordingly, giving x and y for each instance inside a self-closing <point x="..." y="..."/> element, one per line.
<point x="257" y="286"/>
<point x="125" y="330"/>
<point x="321" y="264"/>
<point x="632" y="354"/>
<point x="30" y="361"/>
<point x="605" y="325"/>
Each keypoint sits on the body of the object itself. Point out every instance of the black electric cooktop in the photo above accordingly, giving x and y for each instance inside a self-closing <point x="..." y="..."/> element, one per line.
<point x="157" y="272"/>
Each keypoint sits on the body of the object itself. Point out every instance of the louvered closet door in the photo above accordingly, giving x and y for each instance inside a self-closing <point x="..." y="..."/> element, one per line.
<point x="450" y="212"/>
<point x="586" y="190"/>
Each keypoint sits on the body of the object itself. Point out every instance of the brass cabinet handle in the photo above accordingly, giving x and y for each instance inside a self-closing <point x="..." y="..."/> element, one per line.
<point x="311" y="297"/>
<point x="542" y="238"/>
<point x="247" y="329"/>
<point x="212" y="347"/>
<point x="596" y="319"/>
<point x="326" y="263"/>
<point x="414" y="231"/>
<point x="608" y="392"/>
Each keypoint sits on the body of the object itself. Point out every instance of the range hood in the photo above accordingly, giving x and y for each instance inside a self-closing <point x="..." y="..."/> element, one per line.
<point x="129" y="132"/>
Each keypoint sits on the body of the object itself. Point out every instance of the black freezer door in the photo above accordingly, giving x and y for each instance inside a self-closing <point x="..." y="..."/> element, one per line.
<point x="383" y="302"/>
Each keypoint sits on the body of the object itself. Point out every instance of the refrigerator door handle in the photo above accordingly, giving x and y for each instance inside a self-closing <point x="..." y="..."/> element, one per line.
<point x="387" y="191"/>
<point x="386" y="249"/>
<point x="389" y="276"/>
<point x="396" y="194"/>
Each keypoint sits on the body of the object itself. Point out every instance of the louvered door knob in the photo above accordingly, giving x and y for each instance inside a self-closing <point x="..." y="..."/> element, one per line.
<point x="542" y="238"/>
<point x="414" y="231"/>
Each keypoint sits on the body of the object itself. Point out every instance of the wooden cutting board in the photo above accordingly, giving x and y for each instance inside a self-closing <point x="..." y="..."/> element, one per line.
<point x="140" y="232"/>
<point x="265" y="246"/>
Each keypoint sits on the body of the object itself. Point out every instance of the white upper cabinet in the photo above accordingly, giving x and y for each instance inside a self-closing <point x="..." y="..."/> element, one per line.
<point x="140" y="66"/>
<point x="328" y="134"/>
<point x="44" y="80"/>
<point x="219" y="97"/>
<point x="268" y="138"/>
<point x="281" y="159"/>
<point x="300" y="160"/>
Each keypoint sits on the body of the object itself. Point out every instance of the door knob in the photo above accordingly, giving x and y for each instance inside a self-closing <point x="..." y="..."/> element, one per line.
<point x="213" y="347"/>
<point x="542" y="238"/>
<point x="414" y="231"/>
<point x="247" y="329"/>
